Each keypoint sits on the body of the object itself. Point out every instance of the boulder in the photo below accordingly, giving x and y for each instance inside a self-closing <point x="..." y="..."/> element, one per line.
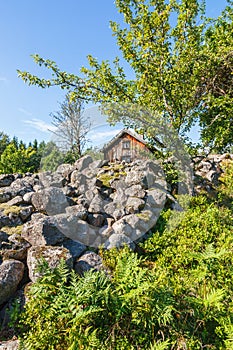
<point x="74" y="228"/>
<point x="75" y="248"/>
<point x="118" y="241"/>
<point x="11" y="273"/>
<point x="65" y="170"/>
<point x="42" y="231"/>
<point x="155" y="198"/>
<point x="49" y="179"/>
<point x="52" y="255"/>
<point x="50" y="200"/>
<point x="6" y="180"/>
<point x="83" y="163"/>
<point x="134" y="204"/>
<point x="88" y="261"/>
<point x="17" y="249"/>
<point x="21" y="186"/>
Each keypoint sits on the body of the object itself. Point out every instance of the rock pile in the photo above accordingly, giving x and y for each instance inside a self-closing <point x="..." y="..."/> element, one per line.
<point x="62" y="214"/>
<point x="208" y="170"/>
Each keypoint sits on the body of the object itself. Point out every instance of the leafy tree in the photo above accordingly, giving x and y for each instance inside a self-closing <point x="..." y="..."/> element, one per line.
<point x="17" y="159"/>
<point x="51" y="157"/>
<point x="182" y="65"/>
<point x="4" y="141"/>
<point x="216" y="114"/>
<point x="72" y="127"/>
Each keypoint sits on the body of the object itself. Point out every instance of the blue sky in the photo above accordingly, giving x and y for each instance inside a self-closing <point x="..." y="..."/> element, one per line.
<point x="65" y="31"/>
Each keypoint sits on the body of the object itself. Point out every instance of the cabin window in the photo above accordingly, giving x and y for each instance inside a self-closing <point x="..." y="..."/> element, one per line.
<point x="126" y="144"/>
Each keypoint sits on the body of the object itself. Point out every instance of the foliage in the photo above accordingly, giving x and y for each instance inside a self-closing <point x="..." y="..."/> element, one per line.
<point x="17" y="159"/>
<point x="4" y="142"/>
<point x="182" y="65"/>
<point x="216" y="115"/>
<point x="51" y="157"/>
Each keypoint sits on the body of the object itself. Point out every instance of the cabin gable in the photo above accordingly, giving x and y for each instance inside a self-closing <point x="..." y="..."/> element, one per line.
<point x="125" y="147"/>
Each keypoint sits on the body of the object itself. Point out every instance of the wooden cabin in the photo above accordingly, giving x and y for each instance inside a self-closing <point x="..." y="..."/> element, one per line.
<point x="126" y="146"/>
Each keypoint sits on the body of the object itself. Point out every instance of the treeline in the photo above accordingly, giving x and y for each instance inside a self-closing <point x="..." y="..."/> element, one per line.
<point x="18" y="157"/>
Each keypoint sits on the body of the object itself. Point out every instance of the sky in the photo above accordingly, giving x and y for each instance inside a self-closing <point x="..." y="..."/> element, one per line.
<point x="65" y="31"/>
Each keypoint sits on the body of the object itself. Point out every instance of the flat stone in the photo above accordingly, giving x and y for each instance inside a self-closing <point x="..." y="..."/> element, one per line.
<point x="15" y="201"/>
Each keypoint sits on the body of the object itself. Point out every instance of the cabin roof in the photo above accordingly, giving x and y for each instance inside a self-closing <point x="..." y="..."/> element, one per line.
<point x="120" y="134"/>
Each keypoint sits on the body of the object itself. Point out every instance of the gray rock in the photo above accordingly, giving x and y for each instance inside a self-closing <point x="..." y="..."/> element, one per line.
<point x="3" y="237"/>
<point x="83" y="163"/>
<point x="76" y="249"/>
<point x="52" y="255"/>
<point x="51" y="200"/>
<point x="134" y="205"/>
<point x="156" y="198"/>
<point x="65" y="170"/>
<point x="42" y="231"/>
<point x="5" y="195"/>
<point x="21" y="186"/>
<point x="96" y="220"/>
<point x="79" y="211"/>
<point x="118" y="241"/>
<point x="49" y="179"/>
<point x="110" y="208"/>
<point x="6" y="180"/>
<point x="89" y="261"/>
<point x="11" y="273"/>
<point x="120" y="198"/>
<point x="15" y="201"/>
<point x="9" y="345"/>
<point x="135" y="191"/>
<point x="25" y="212"/>
<point x="27" y="198"/>
<point x="97" y="205"/>
<point x="213" y="177"/>
<point x="74" y="228"/>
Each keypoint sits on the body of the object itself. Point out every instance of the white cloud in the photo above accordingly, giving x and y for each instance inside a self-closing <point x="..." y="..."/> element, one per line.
<point x="40" y="125"/>
<point x="4" y="80"/>
<point x="24" y="111"/>
<point x="102" y="135"/>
